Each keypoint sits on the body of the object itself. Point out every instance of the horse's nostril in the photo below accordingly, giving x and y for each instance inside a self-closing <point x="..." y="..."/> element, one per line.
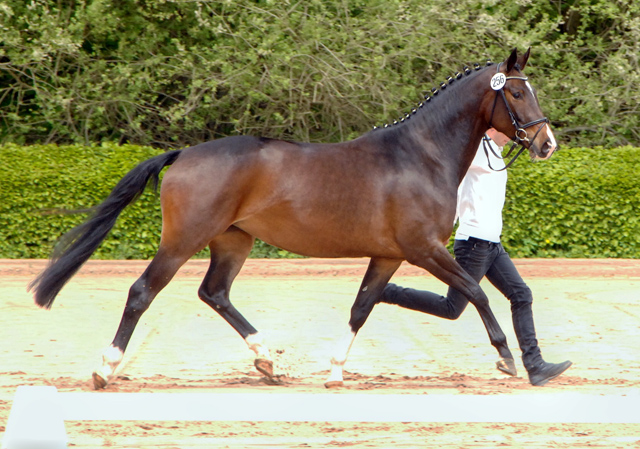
<point x="547" y="149"/>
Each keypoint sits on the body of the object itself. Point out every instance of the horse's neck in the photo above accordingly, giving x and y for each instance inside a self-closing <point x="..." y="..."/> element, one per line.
<point x="453" y="132"/>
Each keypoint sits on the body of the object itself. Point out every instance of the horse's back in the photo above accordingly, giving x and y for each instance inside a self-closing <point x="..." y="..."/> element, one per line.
<point x="256" y="163"/>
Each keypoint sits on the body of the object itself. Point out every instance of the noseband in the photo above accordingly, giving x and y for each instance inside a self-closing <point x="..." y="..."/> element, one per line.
<point x="521" y="132"/>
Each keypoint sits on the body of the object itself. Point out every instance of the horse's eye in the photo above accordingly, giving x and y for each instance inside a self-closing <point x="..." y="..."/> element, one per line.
<point x="517" y="95"/>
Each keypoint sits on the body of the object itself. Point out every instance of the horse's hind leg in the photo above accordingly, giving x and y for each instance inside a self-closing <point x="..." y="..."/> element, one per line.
<point x="228" y="253"/>
<point x="375" y="279"/>
<point x="157" y="275"/>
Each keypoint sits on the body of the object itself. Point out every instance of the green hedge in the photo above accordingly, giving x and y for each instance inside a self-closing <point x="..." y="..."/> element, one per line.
<point x="581" y="203"/>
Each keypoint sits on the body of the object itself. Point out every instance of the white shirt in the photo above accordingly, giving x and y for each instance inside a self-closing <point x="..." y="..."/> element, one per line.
<point x="481" y="197"/>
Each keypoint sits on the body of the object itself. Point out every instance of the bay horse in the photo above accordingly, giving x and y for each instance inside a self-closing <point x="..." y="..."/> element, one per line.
<point x="389" y="195"/>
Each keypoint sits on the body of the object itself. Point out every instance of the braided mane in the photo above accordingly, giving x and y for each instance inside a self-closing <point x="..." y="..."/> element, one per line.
<point x="434" y="92"/>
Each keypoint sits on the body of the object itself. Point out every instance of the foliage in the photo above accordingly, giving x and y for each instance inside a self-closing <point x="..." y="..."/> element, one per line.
<point x="581" y="203"/>
<point x="172" y="73"/>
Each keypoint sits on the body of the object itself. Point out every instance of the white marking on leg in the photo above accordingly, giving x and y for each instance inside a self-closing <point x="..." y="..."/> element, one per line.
<point x="340" y="358"/>
<point x="111" y="358"/>
<point x="256" y="344"/>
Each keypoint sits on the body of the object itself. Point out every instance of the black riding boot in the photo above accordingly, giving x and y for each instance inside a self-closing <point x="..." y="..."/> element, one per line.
<point x="540" y="372"/>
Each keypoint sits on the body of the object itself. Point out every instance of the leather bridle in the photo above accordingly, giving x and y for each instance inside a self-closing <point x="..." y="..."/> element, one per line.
<point x="521" y="133"/>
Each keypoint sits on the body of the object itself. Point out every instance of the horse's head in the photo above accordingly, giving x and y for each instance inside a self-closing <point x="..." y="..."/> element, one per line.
<point x="515" y="110"/>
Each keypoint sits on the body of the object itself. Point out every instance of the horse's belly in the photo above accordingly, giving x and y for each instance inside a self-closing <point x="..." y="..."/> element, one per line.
<point x="324" y="240"/>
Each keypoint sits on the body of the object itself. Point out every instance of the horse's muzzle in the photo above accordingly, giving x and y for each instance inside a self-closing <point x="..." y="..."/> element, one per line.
<point x="544" y="144"/>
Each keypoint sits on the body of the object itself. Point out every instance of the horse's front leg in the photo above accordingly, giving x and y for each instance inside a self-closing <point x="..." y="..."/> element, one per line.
<point x="442" y="265"/>
<point x="375" y="279"/>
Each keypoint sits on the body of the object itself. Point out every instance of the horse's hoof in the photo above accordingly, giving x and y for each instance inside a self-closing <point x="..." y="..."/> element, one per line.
<point x="99" y="382"/>
<point x="507" y="366"/>
<point x="265" y="367"/>
<point x="334" y="384"/>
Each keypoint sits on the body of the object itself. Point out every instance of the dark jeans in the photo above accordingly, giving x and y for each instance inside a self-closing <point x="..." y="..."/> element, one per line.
<point x="479" y="258"/>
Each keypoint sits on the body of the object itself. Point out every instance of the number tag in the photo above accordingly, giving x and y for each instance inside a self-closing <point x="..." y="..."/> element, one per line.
<point x="498" y="81"/>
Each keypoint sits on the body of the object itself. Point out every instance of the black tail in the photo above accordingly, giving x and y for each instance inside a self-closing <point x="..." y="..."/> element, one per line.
<point x="77" y="245"/>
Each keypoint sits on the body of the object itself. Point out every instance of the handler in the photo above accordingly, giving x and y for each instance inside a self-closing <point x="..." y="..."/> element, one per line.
<point x="478" y="250"/>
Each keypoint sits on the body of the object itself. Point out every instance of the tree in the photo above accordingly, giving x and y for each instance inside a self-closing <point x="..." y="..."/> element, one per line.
<point x="173" y="73"/>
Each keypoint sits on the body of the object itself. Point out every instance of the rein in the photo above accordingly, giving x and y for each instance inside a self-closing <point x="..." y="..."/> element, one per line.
<point x="521" y="133"/>
<point x="485" y="139"/>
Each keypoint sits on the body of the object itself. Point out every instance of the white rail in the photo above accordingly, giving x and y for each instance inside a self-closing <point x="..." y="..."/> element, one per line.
<point x="45" y="409"/>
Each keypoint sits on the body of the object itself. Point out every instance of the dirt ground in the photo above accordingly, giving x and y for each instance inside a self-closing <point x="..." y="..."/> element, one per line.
<point x="587" y="311"/>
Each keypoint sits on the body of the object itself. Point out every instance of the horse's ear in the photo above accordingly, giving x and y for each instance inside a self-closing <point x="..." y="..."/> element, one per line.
<point x="513" y="60"/>
<point x="522" y="60"/>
